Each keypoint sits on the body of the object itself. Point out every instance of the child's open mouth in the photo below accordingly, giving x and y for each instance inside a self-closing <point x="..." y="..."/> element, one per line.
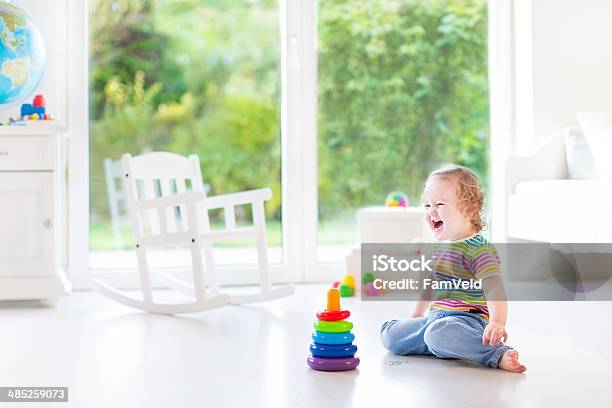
<point x="437" y="225"/>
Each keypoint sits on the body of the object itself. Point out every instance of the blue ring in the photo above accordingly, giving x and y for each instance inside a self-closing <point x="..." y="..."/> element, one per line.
<point x="333" y="338"/>
<point x="333" y="351"/>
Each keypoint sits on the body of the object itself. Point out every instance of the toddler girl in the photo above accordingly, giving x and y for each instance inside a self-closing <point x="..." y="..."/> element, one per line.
<point x="461" y="323"/>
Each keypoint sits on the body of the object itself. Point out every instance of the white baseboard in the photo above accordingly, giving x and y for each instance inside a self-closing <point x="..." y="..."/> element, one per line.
<point x="34" y="287"/>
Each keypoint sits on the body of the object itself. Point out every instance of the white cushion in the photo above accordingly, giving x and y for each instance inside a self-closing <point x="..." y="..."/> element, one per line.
<point x="565" y="189"/>
<point x="579" y="159"/>
<point x="571" y="211"/>
<point x="597" y="127"/>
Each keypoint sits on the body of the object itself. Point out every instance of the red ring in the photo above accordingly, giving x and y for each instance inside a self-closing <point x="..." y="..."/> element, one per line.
<point x="333" y="316"/>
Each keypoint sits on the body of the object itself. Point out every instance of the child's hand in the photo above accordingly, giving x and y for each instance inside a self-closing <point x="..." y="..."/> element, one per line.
<point x="420" y="308"/>
<point x="494" y="333"/>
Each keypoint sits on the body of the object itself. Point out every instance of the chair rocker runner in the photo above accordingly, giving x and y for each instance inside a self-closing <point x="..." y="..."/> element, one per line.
<point x="179" y="216"/>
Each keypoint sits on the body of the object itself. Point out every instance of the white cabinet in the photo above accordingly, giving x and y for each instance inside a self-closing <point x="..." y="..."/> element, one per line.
<point x="31" y="202"/>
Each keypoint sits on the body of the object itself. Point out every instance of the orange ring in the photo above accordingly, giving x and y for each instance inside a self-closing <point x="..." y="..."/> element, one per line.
<point x="333" y="316"/>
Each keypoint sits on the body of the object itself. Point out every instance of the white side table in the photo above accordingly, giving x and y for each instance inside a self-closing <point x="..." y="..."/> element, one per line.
<point x="387" y="225"/>
<point x="392" y="225"/>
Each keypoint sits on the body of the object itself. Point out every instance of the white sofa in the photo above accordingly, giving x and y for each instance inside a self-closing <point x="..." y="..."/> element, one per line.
<point x="544" y="205"/>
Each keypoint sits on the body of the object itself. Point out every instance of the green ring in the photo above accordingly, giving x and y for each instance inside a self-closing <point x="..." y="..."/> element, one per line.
<point x="332" y="327"/>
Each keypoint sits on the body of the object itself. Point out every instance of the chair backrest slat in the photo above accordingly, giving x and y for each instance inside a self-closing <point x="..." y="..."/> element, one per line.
<point x="150" y="217"/>
<point x="230" y="216"/>
<point x="181" y="215"/>
<point x="198" y="185"/>
<point x="169" y="221"/>
<point x="160" y="174"/>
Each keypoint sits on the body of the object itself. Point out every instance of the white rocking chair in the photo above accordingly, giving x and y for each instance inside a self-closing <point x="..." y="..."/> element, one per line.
<point x="117" y="205"/>
<point x="180" y="217"/>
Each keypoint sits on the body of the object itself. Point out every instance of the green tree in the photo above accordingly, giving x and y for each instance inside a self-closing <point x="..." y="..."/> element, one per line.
<point x="127" y="125"/>
<point x="402" y="89"/>
<point x="237" y="142"/>
<point x="178" y="76"/>
<point x="124" y="40"/>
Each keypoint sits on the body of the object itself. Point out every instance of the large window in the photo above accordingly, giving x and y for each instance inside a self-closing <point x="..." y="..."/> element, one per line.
<point x="402" y="89"/>
<point x="186" y="77"/>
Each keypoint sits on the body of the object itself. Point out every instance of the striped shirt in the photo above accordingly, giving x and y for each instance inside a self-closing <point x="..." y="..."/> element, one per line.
<point x="463" y="261"/>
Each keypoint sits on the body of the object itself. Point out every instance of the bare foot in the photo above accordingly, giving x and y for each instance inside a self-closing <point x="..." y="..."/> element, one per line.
<point x="509" y="362"/>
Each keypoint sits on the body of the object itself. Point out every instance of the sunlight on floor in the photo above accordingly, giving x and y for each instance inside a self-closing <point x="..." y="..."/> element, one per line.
<point x="255" y="355"/>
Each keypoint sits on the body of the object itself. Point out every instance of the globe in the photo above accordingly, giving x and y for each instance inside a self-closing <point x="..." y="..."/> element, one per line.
<point x="22" y="55"/>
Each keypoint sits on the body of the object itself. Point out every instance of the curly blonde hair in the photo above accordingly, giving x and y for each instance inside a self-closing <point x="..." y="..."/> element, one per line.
<point x="470" y="194"/>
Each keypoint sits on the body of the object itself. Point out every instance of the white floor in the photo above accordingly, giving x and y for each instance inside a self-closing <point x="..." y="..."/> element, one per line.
<point x="251" y="356"/>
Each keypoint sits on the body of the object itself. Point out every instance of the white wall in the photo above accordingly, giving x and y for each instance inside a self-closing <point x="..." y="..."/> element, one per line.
<point x="564" y="64"/>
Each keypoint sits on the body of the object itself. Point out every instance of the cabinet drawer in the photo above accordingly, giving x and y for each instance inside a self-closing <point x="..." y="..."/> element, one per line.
<point x="26" y="153"/>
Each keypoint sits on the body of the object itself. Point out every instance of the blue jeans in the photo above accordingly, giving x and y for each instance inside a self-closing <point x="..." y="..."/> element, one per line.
<point x="444" y="334"/>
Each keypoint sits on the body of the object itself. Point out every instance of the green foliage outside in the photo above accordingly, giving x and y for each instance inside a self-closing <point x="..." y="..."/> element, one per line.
<point x="187" y="77"/>
<point x="402" y="89"/>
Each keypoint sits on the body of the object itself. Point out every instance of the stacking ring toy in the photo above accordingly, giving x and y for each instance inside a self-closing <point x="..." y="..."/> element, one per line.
<point x="333" y="316"/>
<point x="332" y="364"/>
<point x="333" y="338"/>
<point x="333" y="351"/>
<point x="332" y="348"/>
<point x="332" y="327"/>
